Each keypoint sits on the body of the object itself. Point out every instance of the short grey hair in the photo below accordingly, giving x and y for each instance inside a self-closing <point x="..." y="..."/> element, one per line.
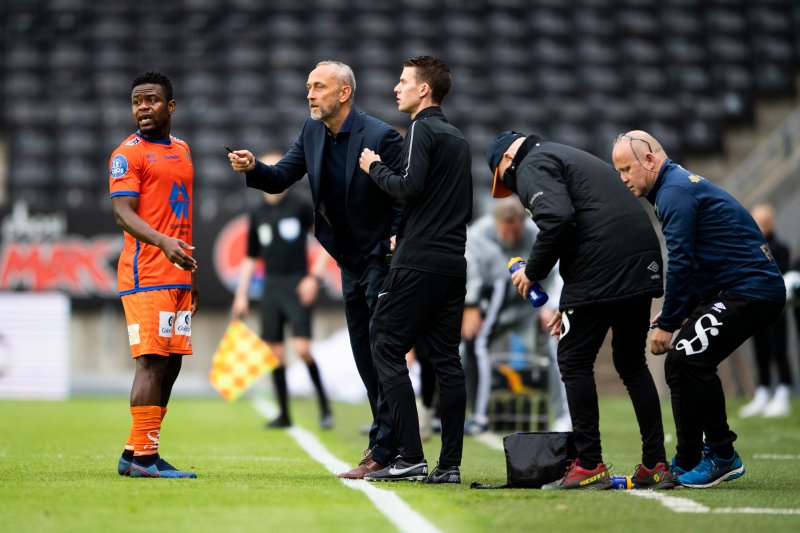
<point x="507" y="209"/>
<point x="344" y="74"/>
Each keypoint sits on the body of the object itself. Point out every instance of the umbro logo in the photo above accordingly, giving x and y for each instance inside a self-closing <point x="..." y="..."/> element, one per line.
<point x="653" y="267"/>
<point x="719" y="307"/>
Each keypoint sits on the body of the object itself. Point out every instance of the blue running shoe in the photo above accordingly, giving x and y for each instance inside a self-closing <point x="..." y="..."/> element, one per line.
<point x="124" y="466"/>
<point x="713" y="470"/>
<point x="154" y="470"/>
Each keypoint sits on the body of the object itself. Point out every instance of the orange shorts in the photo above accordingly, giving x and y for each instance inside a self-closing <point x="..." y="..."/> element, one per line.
<point x="159" y="322"/>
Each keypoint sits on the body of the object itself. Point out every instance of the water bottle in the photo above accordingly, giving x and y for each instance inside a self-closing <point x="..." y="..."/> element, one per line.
<point x="621" y="482"/>
<point x="536" y="295"/>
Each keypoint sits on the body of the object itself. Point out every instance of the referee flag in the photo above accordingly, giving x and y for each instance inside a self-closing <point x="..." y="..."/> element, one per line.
<point x="240" y="359"/>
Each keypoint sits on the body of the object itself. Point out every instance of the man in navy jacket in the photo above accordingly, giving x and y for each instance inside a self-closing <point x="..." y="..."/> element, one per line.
<point x="353" y="218"/>
<point x="723" y="284"/>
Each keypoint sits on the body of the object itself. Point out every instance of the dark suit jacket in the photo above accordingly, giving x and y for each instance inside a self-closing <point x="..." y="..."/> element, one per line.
<point x="372" y="214"/>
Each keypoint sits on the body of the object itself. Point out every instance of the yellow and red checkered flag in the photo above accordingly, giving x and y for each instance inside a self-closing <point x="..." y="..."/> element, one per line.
<point x="240" y="359"/>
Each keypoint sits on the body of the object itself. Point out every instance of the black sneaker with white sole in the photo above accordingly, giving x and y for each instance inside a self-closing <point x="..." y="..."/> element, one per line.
<point x="444" y="475"/>
<point x="400" y="470"/>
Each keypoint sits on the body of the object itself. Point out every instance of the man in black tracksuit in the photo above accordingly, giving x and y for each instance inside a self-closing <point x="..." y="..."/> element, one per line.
<point x="422" y="301"/>
<point x="611" y="265"/>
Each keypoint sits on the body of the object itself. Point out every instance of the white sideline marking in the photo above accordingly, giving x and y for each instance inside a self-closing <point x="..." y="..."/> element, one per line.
<point x="776" y="457"/>
<point x="685" y="505"/>
<point x="755" y="510"/>
<point x="492" y="440"/>
<point x="399" y="513"/>
<point x="673" y="503"/>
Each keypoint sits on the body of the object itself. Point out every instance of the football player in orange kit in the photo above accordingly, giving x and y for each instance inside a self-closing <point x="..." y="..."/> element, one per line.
<point x="150" y="179"/>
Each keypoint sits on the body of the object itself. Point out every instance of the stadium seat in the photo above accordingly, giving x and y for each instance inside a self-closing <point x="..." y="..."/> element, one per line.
<point x="579" y="72"/>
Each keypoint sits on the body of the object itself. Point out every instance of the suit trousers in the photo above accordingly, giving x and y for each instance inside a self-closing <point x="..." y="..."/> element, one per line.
<point x="360" y="288"/>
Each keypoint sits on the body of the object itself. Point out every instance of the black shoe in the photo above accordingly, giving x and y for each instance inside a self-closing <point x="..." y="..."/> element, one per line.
<point x="444" y="475"/>
<point x="400" y="470"/>
<point x="280" y="422"/>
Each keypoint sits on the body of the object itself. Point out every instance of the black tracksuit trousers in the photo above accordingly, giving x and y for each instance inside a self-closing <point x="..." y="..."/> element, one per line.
<point x="583" y="330"/>
<point x="423" y="309"/>
<point x="712" y="332"/>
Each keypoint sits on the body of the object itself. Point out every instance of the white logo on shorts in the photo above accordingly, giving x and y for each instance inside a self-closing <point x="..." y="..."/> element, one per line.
<point x="688" y="345"/>
<point x="133" y="334"/>
<point x="166" y="320"/>
<point x="183" y="323"/>
<point x="565" y="324"/>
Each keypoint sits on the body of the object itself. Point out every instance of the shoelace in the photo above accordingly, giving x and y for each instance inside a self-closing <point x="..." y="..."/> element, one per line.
<point x="366" y="458"/>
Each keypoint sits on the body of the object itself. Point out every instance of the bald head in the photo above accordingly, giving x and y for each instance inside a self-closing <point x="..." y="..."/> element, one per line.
<point x="764" y="215"/>
<point x="638" y="157"/>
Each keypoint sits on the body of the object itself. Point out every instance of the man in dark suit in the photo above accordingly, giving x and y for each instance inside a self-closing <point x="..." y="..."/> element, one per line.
<point x="353" y="218"/>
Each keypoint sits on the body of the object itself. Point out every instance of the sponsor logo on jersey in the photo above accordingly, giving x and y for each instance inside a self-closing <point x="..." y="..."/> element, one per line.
<point x="179" y="200"/>
<point x="133" y="142"/>
<point x="133" y="334"/>
<point x="166" y="321"/>
<point x="183" y="323"/>
<point x="119" y="166"/>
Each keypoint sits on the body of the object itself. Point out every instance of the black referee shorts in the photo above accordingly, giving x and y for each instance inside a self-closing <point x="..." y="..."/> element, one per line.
<point x="279" y="305"/>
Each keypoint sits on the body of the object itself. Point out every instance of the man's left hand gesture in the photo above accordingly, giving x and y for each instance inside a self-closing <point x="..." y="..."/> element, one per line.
<point x="367" y="158"/>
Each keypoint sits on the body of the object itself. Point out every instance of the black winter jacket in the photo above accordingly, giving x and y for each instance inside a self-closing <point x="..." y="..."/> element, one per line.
<point x="589" y="221"/>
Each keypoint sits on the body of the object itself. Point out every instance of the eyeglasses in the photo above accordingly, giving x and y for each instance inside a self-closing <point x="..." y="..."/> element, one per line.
<point x="631" y="138"/>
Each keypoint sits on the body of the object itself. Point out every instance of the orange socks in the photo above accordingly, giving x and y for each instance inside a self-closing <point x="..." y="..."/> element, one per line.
<point x="146" y="429"/>
<point x="129" y="443"/>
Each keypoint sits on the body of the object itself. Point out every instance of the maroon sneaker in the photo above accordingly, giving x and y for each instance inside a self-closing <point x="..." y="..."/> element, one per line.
<point x="580" y="478"/>
<point x="659" y="478"/>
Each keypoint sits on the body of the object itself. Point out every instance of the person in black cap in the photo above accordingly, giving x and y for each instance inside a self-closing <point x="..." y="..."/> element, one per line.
<point x="611" y="265"/>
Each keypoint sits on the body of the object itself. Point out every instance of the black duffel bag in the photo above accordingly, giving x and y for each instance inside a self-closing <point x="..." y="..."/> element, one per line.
<point x="534" y="459"/>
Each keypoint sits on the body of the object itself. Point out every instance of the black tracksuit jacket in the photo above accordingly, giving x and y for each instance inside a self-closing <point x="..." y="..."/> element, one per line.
<point x="435" y="187"/>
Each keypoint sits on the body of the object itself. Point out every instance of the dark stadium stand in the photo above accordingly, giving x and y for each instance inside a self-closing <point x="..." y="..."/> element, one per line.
<point x="577" y="72"/>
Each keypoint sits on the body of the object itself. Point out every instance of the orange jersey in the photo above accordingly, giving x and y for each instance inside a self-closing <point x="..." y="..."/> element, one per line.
<point x="160" y="174"/>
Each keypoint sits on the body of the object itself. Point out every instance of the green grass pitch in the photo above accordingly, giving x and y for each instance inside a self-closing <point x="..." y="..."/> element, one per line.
<point x="58" y="473"/>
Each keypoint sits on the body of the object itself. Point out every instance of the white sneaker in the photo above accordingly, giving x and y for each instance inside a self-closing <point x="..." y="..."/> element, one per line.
<point x="778" y="406"/>
<point x="757" y="404"/>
